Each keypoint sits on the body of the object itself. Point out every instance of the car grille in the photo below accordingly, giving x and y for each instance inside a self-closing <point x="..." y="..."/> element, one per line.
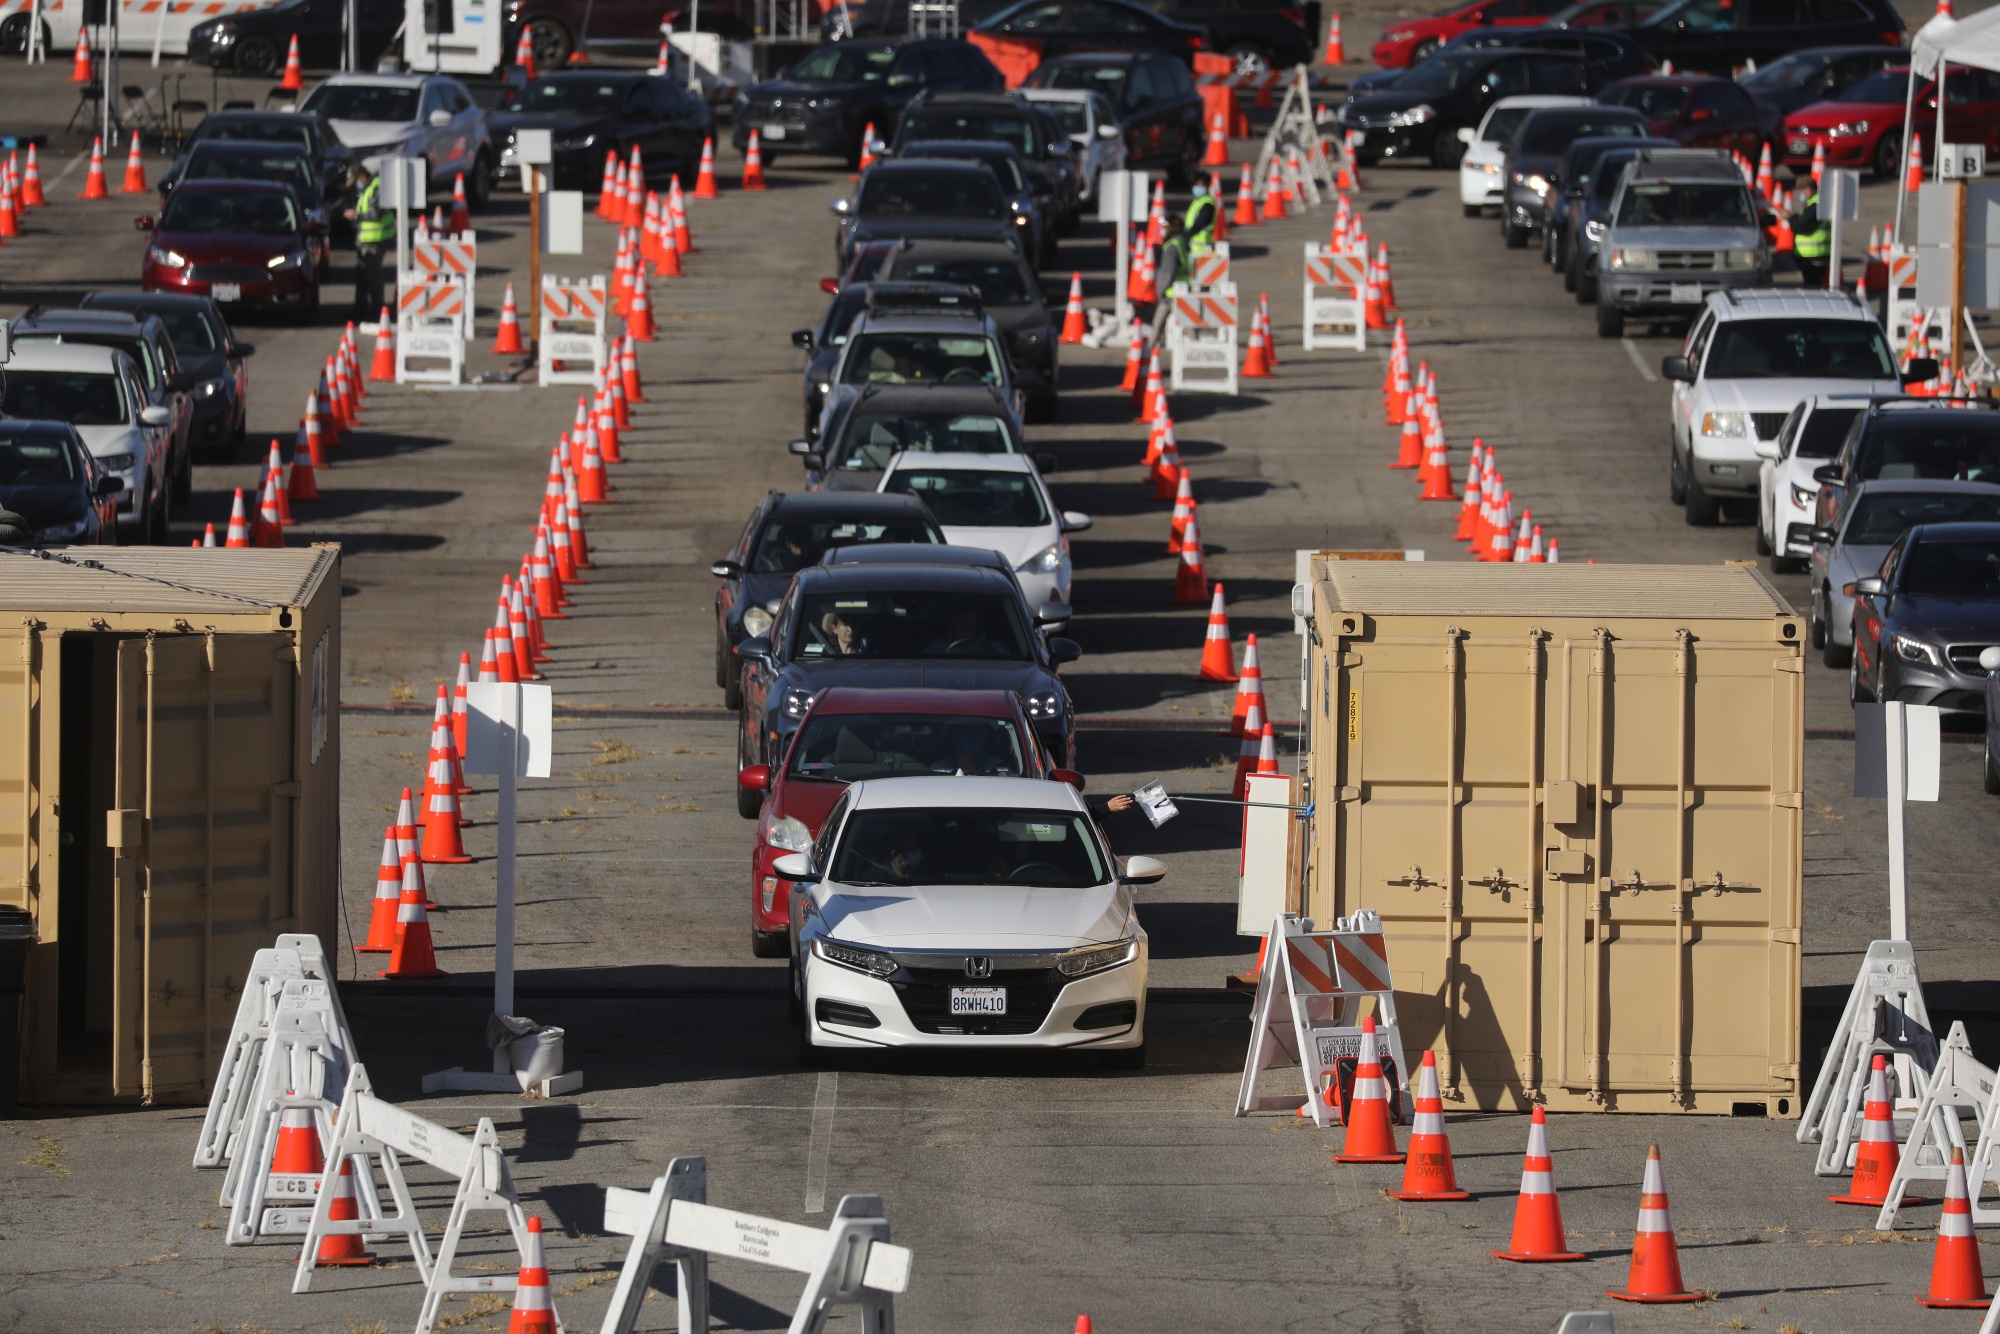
<point x="926" y="997"/>
<point x="1768" y="424"/>
<point x="773" y="113"/>
<point x="1965" y="657"/>
<point x="227" y="273"/>
<point x="1686" y="261"/>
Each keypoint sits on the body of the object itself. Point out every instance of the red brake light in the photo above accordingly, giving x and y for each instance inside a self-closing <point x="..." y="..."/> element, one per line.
<point x="1297" y="16"/>
<point x="1197" y="41"/>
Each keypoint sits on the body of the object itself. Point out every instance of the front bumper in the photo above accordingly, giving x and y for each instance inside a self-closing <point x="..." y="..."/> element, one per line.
<point x="911" y="1009"/>
<point x="1854" y="150"/>
<point x="1653" y="293"/>
<point x="1393" y="141"/>
<point x="1479" y="185"/>
<point x="1724" y="465"/>
<point x="823" y="135"/>
<point x="1525" y="208"/>
<point x="281" y="290"/>
<point x="1914" y="683"/>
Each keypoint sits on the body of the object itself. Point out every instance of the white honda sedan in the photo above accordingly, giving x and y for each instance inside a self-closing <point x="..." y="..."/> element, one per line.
<point x="1479" y="183"/>
<point x="966" y="912"/>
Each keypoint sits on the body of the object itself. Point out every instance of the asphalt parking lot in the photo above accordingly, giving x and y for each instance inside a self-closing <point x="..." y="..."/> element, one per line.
<point x="1030" y="1190"/>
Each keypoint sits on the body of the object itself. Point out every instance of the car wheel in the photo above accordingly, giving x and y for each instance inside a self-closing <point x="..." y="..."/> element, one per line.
<point x="1815" y="627"/>
<point x="770" y="944"/>
<point x="732" y="681"/>
<point x="795" y="1006"/>
<point x="14" y="36"/>
<point x="1677" y="483"/>
<point x="479" y="185"/>
<point x="1833" y="654"/>
<point x="1610" y="321"/>
<point x="1423" y="50"/>
<point x="155" y="529"/>
<point x="1888" y="157"/>
<point x="255" y="57"/>
<point x="1446" y="151"/>
<point x="1586" y="283"/>
<point x="1548" y="245"/>
<point x="749" y="801"/>
<point x="1856" y="692"/>
<point x="1764" y="544"/>
<point x="1702" y="509"/>
<point x="1515" y="236"/>
<point x="550" y="41"/>
<point x="1250" y="58"/>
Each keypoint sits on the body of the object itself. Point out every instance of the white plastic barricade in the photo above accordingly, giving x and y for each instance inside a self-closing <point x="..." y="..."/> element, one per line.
<point x="431" y="324"/>
<point x="303" y="1065"/>
<point x="454" y="256"/>
<point x="1307" y="1011"/>
<point x="1335" y="315"/>
<point x="849" y="1264"/>
<point x="571" y="334"/>
<point x="377" y="1135"/>
<point x="1958" y="1086"/>
<point x="1885" y="1013"/>
<point x="1201" y="338"/>
<point x="1210" y="268"/>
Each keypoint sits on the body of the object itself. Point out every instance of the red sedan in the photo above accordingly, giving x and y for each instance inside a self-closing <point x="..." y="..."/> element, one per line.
<point x="1863" y="127"/>
<point x="1413" y="40"/>
<point x="1699" y="111"/>
<point x="244" y="243"/>
<point x="850" y="734"/>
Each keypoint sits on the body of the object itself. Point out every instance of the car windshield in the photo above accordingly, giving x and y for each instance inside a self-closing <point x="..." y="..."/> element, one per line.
<point x="35" y="460"/>
<point x="843" y="62"/>
<point x="1787" y="74"/>
<point x="927" y="624"/>
<point x="1442" y="74"/>
<point x="936" y="846"/>
<point x="1653" y="101"/>
<point x="1686" y="204"/>
<point x="216" y="162"/>
<point x="1824" y="431"/>
<point x="931" y="194"/>
<point x="191" y="331"/>
<point x="791" y="545"/>
<point x="965" y="498"/>
<point x="871" y="440"/>
<point x="81" y="398"/>
<point x="1799" y="349"/>
<point x="1967" y="568"/>
<point x="212" y="211"/>
<point x="1933" y="453"/>
<point x="913" y="358"/>
<point x="1106" y="79"/>
<point x="1889" y="85"/>
<point x="258" y="132"/>
<point x="1005" y="168"/>
<point x="132" y="346"/>
<point x="588" y="97"/>
<point x="1074" y="115"/>
<point x="364" y="101"/>
<point x="848" y="747"/>
<point x="1501" y="125"/>
<point x="1879" y="520"/>
<point x="1549" y="135"/>
<point x="1007" y="127"/>
<point x="1000" y="281"/>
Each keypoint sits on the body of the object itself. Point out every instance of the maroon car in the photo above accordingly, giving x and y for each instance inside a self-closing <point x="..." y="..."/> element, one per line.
<point x="1697" y="111"/>
<point x="247" y="244"/>
<point x="850" y="734"/>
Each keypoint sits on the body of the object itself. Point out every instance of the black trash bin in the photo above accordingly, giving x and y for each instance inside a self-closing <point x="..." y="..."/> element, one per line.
<point x="17" y="933"/>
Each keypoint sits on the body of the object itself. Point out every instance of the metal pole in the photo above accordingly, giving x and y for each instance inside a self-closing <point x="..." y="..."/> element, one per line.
<point x="1895" y="750"/>
<point x="1121" y="251"/>
<point x="534" y="257"/>
<point x="503" y="898"/>
<point x="1839" y="207"/>
<point x="1960" y="192"/>
<point x="350" y="51"/>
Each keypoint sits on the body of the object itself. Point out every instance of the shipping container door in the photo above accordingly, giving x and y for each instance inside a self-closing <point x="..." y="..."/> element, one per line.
<point x="17" y="742"/>
<point x="203" y="830"/>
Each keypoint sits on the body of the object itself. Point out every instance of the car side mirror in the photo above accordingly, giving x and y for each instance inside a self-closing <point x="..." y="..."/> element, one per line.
<point x="1045" y="464"/>
<point x="1143" y="871"/>
<point x="1107" y="131"/>
<point x="1920" y="369"/>
<point x="183" y="382"/>
<point x="1053" y="613"/>
<point x="1466" y="135"/>
<point x="758" y="648"/>
<point x="1075" y="521"/>
<point x="1677" y="368"/>
<point x="802" y="339"/>
<point x="144" y="224"/>
<point x="796" y="867"/>
<point x="901" y="80"/>
<point x="814" y="460"/>
<point x="1064" y="650"/>
<point x="109" y="485"/>
<point x="754" y="777"/>
<point x="841" y="208"/>
<point x="1827" y="472"/>
<point x="725" y="569"/>
<point x="1070" y="776"/>
<point x="831" y="286"/>
<point x="237" y="349"/>
<point x="1820" y="535"/>
<point x="1989" y="659"/>
<point x="1058" y="150"/>
<point x="440" y="118"/>
<point x="799" y="447"/>
<point x="155" y="415"/>
<point x="1767" y="449"/>
<point x="1866" y="586"/>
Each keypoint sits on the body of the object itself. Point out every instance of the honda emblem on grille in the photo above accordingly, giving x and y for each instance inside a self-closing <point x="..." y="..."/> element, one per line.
<point x="979" y="966"/>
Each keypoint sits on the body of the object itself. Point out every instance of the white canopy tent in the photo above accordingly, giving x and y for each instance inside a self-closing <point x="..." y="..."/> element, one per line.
<point x="1944" y="40"/>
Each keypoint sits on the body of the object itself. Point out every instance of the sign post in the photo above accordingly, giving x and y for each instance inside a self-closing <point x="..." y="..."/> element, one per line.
<point x="1839" y="201"/>
<point x="1121" y="196"/>
<point x="535" y="149"/>
<point x="1896" y="757"/>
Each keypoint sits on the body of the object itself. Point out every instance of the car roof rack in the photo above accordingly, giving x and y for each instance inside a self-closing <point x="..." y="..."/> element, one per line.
<point x="924" y="298"/>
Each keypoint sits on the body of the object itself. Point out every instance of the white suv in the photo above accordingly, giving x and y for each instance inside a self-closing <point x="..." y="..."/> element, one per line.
<point x="1750" y="358"/>
<point x="1479" y="181"/>
<point x="1787" y="491"/>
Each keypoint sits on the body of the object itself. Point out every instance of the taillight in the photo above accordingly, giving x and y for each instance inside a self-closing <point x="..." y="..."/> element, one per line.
<point x="1197" y="42"/>
<point x="1892" y="38"/>
<point x="1294" y="15"/>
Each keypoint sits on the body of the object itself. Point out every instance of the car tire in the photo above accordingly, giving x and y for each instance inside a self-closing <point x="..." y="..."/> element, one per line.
<point x="255" y="57"/>
<point x="1473" y="210"/>
<point x="1677" y="484"/>
<point x="14" y="36"/>
<point x="1548" y="246"/>
<point x="183" y="479"/>
<point x="732" y="681"/>
<point x="1423" y="51"/>
<point x="749" y="802"/>
<point x="550" y="41"/>
<point x="1041" y="407"/>
<point x="1586" y="285"/>
<point x="1833" y="654"/>
<point x="795" y="1008"/>
<point x="1856" y="693"/>
<point x="479" y="183"/>
<point x="1816" y="635"/>
<point x="1887" y="159"/>
<point x="1764" y="544"/>
<point x="1446" y="151"/>
<point x="1610" y="320"/>
<point x="1515" y="237"/>
<point x="1701" y="509"/>
<point x="158" y="515"/>
<point x="770" y="944"/>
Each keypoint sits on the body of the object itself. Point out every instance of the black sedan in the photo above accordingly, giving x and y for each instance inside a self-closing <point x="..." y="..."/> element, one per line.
<point x="1921" y="624"/>
<point x="1008" y="290"/>
<point x="1037" y="138"/>
<point x="900" y="627"/>
<point x="1717" y="36"/>
<point x="1529" y="179"/>
<point x="786" y="533"/>
<point x="927" y="197"/>
<point x="1421" y="116"/>
<point x="1005" y="164"/>
<point x="1610" y="55"/>
<point x="827" y="101"/>
<point x="209" y="352"/>
<point x="253" y="42"/>
<point x="52" y="483"/>
<point x="593" y="112"/>
<point x="1154" y="99"/>
<point x="304" y="128"/>
<point x="1051" y="28"/>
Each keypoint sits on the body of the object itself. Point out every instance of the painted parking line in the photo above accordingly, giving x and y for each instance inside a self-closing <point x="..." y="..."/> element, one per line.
<point x="1632" y="351"/>
<point x="825" y="1095"/>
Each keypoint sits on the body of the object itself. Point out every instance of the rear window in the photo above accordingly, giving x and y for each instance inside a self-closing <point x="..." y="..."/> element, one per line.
<point x="36" y="460"/>
<point x="1686" y="204"/>
<point x="81" y="398"/>
<point x="1000" y="281"/>
<point x="1824" y="431"/>
<point x="133" y="347"/>
<point x="1932" y="453"/>
<point x="1502" y="125"/>
<point x="1799" y="349"/>
<point x="258" y="131"/>
<point x="789" y="546"/>
<point x="1967" y="568"/>
<point x="1006" y="127"/>
<point x="221" y="162"/>
<point x="1106" y="79"/>
<point x="1879" y="520"/>
<point x="360" y="101"/>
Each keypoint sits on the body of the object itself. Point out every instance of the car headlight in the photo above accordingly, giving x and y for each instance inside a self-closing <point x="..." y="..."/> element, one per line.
<point x="1042" y="706"/>
<point x="1631" y="259"/>
<point x="1415" y="115"/>
<point x="789" y="833"/>
<point x="223" y="33"/>
<point x="168" y="258"/>
<point x="1594" y="230"/>
<point x="1916" y="650"/>
<point x="796" y="702"/>
<point x="1803" y="496"/>
<point x="63" y="532"/>
<point x="290" y="260"/>
<point x="1020" y="219"/>
<point x="1537" y="182"/>
<point x="1741" y="259"/>
<point x="826" y="102"/>
<point x="1726" y="425"/>
<point x="1096" y="958"/>
<point x="756" y="622"/>
<point x="1848" y="129"/>
<point x="873" y="962"/>
<point x="1046" y="561"/>
<point x="1490" y="168"/>
<point x="210" y="388"/>
<point x="117" y="462"/>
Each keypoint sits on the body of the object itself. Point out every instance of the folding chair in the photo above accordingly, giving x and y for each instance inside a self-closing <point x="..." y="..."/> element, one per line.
<point x="143" y="110"/>
<point x="184" y="115"/>
<point x="88" y="99"/>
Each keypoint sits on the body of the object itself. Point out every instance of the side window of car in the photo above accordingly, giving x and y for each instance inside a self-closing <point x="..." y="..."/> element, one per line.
<point x="1698" y="339"/>
<point x="1836" y="12"/>
<point x="1042" y="18"/>
<point x="432" y="100"/>
<point x="829" y="830"/>
<point x="1890" y="561"/>
<point x="1788" y="434"/>
<point x="1557" y="74"/>
<point x="1737" y="102"/>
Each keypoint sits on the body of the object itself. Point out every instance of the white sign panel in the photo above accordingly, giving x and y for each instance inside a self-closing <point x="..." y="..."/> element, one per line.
<point x="488" y="706"/>
<point x="1962" y="162"/>
<point x="1920" y="749"/>
<point x="562" y="222"/>
<point x="1137" y="195"/>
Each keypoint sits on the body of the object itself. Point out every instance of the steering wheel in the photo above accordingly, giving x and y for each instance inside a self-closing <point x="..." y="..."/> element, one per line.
<point x="964" y="375"/>
<point x="969" y="645"/>
<point x="1024" y="867"/>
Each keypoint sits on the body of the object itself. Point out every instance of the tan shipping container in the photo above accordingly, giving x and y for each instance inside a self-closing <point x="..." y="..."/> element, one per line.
<point x="169" y="798"/>
<point x="1573" y="793"/>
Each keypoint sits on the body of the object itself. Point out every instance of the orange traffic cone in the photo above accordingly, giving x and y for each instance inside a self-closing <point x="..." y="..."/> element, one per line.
<point x="1218" y="141"/>
<point x="31" y="182"/>
<point x="1336" y="54"/>
<point x="867" y="158"/>
<point x="461" y="215"/>
<point x="1246" y="201"/>
<point x="10" y="213"/>
<point x="1256" y="361"/>
<point x="1190" y="576"/>
<point x="1410" y="453"/>
<point x="1956" y="1278"/>
<point x="388" y="890"/>
<point x="1217" y="659"/>
<point x="1427" y="1169"/>
<point x="1274" y="193"/>
<point x="1538" y="1221"/>
<point x="534" y="1305"/>
<point x="239" y="523"/>
<point x="1913" y="179"/>
<point x="1382" y="278"/>
<point x="1246" y="752"/>
<point x="93" y="184"/>
<point x="524" y="56"/>
<point x="412" y="956"/>
<point x="208" y="537"/>
<point x="1074" y="328"/>
<point x="135" y="170"/>
<point x="442" y="843"/>
<point x="384" y="368"/>
<point x="1249" y="688"/>
<point x="1655" y="1275"/>
<point x="1267" y="751"/>
<point x="295" y="74"/>
<point x="629" y="366"/>
<point x="753" y="164"/>
<point x="607" y="189"/>
<point x="509" y="340"/>
<point x="591" y="488"/>
<point x="270" y="524"/>
<point x="704" y="181"/>
<point x="343" y="1249"/>
<point x="1155" y="401"/>
<point x="297" y="1152"/>
<point x="639" y="322"/>
<point x="1437" y="473"/>
<point x="1877" y="1155"/>
<point x="1370" y="1138"/>
<point x="274" y="467"/>
<point x="302" y="484"/>
<point x="80" y="72"/>
<point x="1135" y="360"/>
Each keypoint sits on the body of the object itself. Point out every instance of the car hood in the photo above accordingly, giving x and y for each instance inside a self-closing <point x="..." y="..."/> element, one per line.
<point x="205" y="365"/>
<point x="798" y="90"/>
<point x="372" y="133"/>
<point x="1951" y="618"/>
<point x="975" y="917"/>
<point x="762" y="589"/>
<point x="102" y="440"/>
<point x="227" y="247"/>
<point x="1851" y="562"/>
<point x="1016" y="544"/>
<point x="1023" y="678"/>
<point x="1689" y="238"/>
<point x="502" y="123"/>
<point x="1822" y="114"/>
<point x="1013" y="319"/>
<point x="44" y="506"/>
<point x="1784" y="395"/>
